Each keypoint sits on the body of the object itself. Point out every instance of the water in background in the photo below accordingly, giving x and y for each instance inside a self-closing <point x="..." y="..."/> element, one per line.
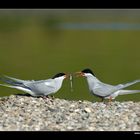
<point x="37" y="44"/>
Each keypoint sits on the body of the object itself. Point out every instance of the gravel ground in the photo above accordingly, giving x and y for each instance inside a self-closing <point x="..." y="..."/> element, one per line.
<point x="23" y="113"/>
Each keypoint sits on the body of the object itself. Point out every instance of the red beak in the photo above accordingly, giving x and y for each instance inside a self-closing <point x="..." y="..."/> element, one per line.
<point x="79" y="74"/>
<point x="67" y="76"/>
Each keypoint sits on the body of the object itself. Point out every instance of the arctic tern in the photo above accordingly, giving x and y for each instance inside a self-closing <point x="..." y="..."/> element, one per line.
<point x="103" y="90"/>
<point x="36" y="88"/>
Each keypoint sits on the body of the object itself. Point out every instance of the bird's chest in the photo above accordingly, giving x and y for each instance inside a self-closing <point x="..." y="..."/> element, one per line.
<point x="57" y="85"/>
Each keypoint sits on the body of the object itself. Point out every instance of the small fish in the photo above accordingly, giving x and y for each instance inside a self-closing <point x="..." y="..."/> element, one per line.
<point x="71" y="84"/>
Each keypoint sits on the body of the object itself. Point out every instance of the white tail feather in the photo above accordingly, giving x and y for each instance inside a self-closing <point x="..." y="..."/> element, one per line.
<point x="20" y="88"/>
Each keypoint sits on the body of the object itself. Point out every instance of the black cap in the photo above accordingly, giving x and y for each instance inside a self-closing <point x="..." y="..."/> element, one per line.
<point x="88" y="71"/>
<point x="58" y="75"/>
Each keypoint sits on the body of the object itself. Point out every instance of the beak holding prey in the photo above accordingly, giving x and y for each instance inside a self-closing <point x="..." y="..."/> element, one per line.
<point x="79" y="74"/>
<point x="67" y="76"/>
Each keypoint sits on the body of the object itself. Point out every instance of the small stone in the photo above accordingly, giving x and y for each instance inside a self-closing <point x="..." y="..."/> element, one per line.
<point x="77" y="110"/>
<point x="69" y="128"/>
<point x="72" y="105"/>
<point x="87" y="110"/>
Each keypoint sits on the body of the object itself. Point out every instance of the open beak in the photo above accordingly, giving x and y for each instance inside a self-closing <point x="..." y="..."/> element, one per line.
<point x="67" y="76"/>
<point x="79" y="74"/>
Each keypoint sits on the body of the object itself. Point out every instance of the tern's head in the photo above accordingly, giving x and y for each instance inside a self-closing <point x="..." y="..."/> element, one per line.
<point x="60" y="76"/>
<point x="86" y="72"/>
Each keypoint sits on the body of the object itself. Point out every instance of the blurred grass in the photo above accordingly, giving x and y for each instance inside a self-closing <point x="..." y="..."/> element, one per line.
<point x="31" y="47"/>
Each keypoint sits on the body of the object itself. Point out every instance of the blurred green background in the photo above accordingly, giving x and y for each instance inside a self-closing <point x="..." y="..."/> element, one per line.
<point x="36" y="44"/>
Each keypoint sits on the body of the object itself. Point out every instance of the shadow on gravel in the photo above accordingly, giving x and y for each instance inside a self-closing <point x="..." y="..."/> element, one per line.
<point x="28" y="95"/>
<point x="25" y="94"/>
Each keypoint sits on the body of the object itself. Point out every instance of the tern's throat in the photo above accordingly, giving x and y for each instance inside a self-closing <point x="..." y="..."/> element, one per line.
<point x="58" y="83"/>
<point x="92" y="81"/>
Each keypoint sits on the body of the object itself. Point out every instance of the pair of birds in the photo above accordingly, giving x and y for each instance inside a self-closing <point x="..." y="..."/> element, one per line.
<point x="51" y="86"/>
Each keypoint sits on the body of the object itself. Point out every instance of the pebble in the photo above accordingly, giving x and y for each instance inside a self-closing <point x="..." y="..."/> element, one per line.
<point x="22" y="113"/>
<point x="87" y="110"/>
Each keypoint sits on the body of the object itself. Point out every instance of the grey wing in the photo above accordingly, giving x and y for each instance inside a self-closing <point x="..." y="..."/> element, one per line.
<point x="104" y="90"/>
<point x="43" y="87"/>
<point x="121" y="86"/>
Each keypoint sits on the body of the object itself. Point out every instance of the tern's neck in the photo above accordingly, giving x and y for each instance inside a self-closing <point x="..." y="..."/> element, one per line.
<point x="59" y="82"/>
